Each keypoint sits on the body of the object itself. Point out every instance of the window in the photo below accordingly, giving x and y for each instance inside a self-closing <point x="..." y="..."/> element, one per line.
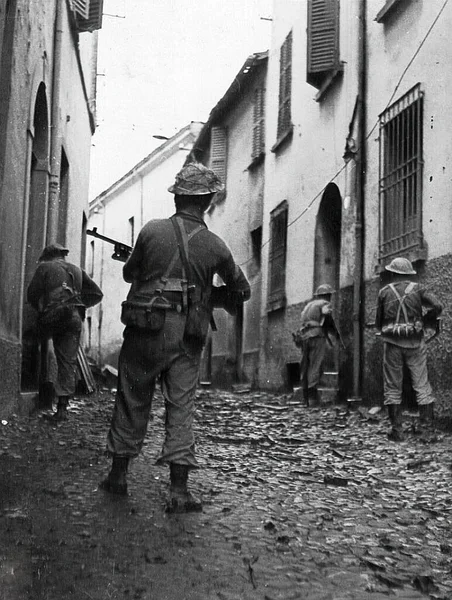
<point x="285" y="88"/>
<point x="256" y="245"/>
<point x="258" y="124"/>
<point x="323" y="42"/>
<point x="401" y="175"/>
<point x="277" y="257"/>
<point x="91" y="258"/>
<point x="390" y="7"/>
<point x="88" y="14"/>
<point x="218" y="152"/>
<point x="132" y="230"/>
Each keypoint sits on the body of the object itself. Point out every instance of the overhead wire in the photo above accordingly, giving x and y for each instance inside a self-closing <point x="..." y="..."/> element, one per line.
<point x="404" y="72"/>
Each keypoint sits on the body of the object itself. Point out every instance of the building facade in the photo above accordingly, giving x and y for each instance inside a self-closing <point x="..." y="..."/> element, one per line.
<point x="232" y="143"/>
<point x="47" y="102"/>
<point x="357" y="172"/>
<point x="119" y="213"/>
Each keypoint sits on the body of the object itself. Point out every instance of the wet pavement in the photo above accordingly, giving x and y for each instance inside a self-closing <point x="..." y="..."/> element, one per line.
<point x="309" y="504"/>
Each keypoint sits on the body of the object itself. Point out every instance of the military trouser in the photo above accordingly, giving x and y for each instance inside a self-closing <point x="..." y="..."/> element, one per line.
<point x="394" y="357"/>
<point x="143" y="357"/>
<point x="312" y="355"/>
<point x="66" y="340"/>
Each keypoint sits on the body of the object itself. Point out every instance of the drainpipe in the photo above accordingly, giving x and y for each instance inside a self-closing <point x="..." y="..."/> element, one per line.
<point x="358" y="287"/>
<point x="55" y="136"/>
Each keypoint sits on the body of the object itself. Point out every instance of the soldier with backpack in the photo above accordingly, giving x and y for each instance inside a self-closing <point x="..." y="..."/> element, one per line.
<point x="400" y="320"/>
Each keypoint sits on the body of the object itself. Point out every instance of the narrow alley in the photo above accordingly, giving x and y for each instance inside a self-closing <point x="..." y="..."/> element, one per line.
<point x="311" y="504"/>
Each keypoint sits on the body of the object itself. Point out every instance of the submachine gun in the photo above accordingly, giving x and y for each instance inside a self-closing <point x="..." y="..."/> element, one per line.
<point x="122" y="251"/>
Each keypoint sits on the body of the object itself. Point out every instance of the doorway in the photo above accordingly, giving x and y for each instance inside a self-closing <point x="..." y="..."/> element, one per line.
<point x="35" y="236"/>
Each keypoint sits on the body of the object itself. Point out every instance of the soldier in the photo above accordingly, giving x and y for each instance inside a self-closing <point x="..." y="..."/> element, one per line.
<point x="61" y="292"/>
<point x="167" y="314"/>
<point x="312" y="336"/>
<point x="401" y="322"/>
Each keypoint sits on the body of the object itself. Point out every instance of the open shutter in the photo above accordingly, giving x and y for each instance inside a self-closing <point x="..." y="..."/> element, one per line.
<point x="88" y="14"/>
<point x="258" y="122"/>
<point x="323" y="38"/>
<point x="285" y="87"/>
<point x="218" y="152"/>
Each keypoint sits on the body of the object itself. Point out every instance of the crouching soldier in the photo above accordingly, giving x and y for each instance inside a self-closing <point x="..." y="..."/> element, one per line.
<point x="167" y="314"/>
<point x="400" y="320"/>
<point x="312" y="337"/>
<point x="61" y="292"/>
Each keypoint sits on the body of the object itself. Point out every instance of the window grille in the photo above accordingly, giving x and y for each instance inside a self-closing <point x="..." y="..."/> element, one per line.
<point x="401" y="175"/>
<point x="285" y="87"/>
<point x="218" y="147"/>
<point x="258" y="123"/>
<point x="277" y="257"/>
<point x="323" y="40"/>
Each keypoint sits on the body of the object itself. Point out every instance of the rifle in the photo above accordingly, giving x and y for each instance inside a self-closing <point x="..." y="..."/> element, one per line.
<point x="122" y="251"/>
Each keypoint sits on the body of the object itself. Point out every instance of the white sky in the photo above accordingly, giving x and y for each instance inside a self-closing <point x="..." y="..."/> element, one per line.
<point x="167" y="63"/>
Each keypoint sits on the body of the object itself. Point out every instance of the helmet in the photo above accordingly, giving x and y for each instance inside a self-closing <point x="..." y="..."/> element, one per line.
<point x="52" y="251"/>
<point x="196" y="180"/>
<point x="324" y="290"/>
<point x="401" y="265"/>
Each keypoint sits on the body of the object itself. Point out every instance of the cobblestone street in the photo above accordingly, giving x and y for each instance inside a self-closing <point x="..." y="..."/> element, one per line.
<point x="298" y="504"/>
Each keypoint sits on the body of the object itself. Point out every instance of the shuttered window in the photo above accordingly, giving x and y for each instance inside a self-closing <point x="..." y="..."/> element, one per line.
<point x="218" y="148"/>
<point x="277" y="257"/>
<point x="88" y="14"/>
<point x="401" y="176"/>
<point x="258" y="123"/>
<point x="323" y="40"/>
<point x="285" y="88"/>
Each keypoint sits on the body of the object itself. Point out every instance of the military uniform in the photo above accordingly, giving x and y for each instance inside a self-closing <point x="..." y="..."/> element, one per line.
<point x="315" y="320"/>
<point x="399" y="318"/>
<point x="145" y="355"/>
<point x="160" y="346"/>
<point x="60" y="292"/>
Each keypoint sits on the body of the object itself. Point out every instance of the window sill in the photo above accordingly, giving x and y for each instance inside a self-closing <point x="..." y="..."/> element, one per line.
<point x="385" y="12"/>
<point x="257" y="160"/>
<point x="276" y="303"/>
<point x="330" y="79"/>
<point x="283" y="139"/>
<point x="413" y="255"/>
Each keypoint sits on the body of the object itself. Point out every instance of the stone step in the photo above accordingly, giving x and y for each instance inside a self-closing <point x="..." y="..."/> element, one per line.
<point x="328" y="395"/>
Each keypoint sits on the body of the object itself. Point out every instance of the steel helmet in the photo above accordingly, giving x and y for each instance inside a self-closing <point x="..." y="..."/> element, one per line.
<point x="324" y="290"/>
<point x="52" y="251"/>
<point x="196" y="180"/>
<point x="401" y="265"/>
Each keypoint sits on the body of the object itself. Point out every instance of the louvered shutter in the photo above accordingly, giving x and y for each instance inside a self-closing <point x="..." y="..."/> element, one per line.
<point x="218" y="152"/>
<point x="285" y="87"/>
<point x="323" y="39"/>
<point x="88" y="14"/>
<point x="81" y="7"/>
<point x="258" y="122"/>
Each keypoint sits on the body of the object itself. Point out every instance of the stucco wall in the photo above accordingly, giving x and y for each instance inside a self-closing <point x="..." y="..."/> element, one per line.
<point x="31" y="63"/>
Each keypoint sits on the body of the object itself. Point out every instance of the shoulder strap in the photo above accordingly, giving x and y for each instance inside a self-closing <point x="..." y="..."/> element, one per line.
<point x="401" y="299"/>
<point x="182" y="241"/>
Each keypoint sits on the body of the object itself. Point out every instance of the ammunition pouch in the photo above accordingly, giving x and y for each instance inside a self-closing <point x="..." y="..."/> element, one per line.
<point x="403" y="330"/>
<point x="147" y="315"/>
<point x="198" y="319"/>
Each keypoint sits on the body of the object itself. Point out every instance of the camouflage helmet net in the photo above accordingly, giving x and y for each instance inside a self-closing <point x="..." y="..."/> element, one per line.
<point x="196" y="180"/>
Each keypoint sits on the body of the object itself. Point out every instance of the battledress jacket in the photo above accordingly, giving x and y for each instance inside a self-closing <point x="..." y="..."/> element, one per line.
<point x="48" y="280"/>
<point x="415" y="300"/>
<point x="208" y="255"/>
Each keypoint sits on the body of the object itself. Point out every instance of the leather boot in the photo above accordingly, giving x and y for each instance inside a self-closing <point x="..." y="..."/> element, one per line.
<point x="116" y="481"/>
<point x="181" y="500"/>
<point x="395" y="416"/>
<point x="427" y="422"/>
<point x="313" y="397"/>
<point x="61" y="411"/>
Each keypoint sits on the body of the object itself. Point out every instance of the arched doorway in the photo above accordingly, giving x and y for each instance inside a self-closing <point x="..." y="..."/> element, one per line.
<point x="35" y="235"/>
<point x="327" y="253"/>
<point x="327" y="258"/>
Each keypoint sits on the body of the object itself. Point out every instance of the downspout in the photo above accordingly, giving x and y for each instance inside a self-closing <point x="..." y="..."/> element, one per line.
<point x="55" y="136"/>
<point x="358" y="287"/>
